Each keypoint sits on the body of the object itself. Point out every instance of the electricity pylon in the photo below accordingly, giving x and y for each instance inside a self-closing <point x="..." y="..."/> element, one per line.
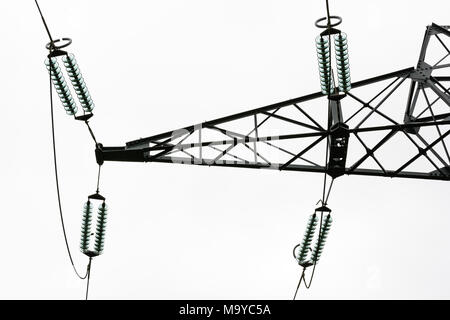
<point x="348" y="128"/>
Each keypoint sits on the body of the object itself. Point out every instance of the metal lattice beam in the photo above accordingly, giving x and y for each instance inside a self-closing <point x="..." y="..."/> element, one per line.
<point x="228" y="142"/>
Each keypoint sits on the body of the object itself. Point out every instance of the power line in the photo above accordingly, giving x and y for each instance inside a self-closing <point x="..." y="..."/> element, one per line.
<point x="88" y="276"/>
<point x="299" y="282"/>
<point x="45" y="24"/>
<point x="57" y="182"/>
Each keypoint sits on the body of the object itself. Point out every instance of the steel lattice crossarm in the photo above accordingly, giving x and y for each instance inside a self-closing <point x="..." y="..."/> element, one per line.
<point x="363" y="132"/>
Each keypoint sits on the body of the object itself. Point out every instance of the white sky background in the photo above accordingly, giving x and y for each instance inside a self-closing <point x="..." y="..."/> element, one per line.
<point x="188" y="232"/>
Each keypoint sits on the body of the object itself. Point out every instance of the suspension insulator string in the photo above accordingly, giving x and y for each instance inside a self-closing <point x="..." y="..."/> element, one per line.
<point x="314" y="264"/>
<point x="318" y="248"/>
<point x="100" y="228"/>
<point x="322" y="234"/>
<point x="307" y="239"/>
<point x="99" y="231"/>
<point x="73" y="70"/>
<point x="86" y="227"/>
<point x="342" y="62"/>
<point x="324" y="61"/>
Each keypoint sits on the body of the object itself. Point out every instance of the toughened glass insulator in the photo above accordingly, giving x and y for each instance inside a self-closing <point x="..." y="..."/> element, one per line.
<point x="78" y="82"/>
<point x="342" y="61"/>
<point x="100" y="228"/>
<point x="323" y="57"/>
<point x="320" y="243"/>
<point x="61" y="87"/>
<point x="86" y="227"/>
<point x="307" y="239"/>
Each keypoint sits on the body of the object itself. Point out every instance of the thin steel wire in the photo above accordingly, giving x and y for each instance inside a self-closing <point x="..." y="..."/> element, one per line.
<point x="57" y="182"/>
<point x="299" y="283"/>
<point x="88" y="276"/>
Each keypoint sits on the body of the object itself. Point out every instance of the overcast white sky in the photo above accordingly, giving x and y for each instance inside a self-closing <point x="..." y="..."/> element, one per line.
<point x="187" y="232"/>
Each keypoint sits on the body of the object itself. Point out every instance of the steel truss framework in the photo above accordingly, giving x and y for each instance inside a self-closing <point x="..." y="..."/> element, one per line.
<point x="424" y="126"/>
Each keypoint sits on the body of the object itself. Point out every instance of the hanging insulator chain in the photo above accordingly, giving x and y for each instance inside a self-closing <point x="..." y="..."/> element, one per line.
<point x="342" y="62"/>
<point x="307" y="239"/>
<point x="323" y="57"/>
<point x="61" y="87"/>
<point x="318" y="248"/>
<point x="86" y="227"/>
<point x="78" y="82"/>
<point x="101" y="228"/>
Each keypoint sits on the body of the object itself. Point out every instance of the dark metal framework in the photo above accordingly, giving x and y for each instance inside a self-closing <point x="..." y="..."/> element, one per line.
<point x="371" y="122"/>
